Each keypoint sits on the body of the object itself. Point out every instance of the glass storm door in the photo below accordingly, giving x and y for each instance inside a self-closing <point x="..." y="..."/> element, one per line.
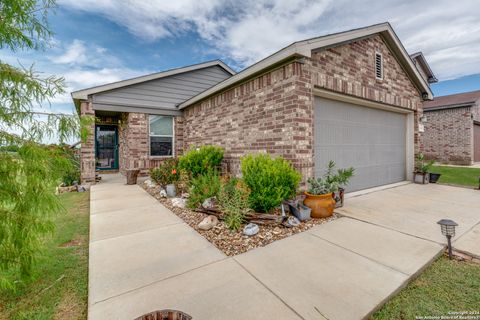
<point x="106" y="147"/>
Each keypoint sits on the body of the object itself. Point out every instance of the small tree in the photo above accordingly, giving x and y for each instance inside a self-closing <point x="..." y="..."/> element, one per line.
<point x="29" y="174"/>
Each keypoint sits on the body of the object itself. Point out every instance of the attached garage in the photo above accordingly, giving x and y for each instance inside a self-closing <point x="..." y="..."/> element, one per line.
<point x="372" y="140"/>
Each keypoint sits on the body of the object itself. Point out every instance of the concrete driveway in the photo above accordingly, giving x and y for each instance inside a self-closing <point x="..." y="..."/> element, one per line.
<point x="144" y="258"/>
<point x="414" y="209"/>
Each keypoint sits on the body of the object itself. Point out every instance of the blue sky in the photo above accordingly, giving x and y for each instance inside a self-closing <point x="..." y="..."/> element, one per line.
<point x="100" y="41"/>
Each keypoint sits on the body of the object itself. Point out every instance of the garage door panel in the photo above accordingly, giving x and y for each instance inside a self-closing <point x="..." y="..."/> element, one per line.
<point x="371" y="140"/>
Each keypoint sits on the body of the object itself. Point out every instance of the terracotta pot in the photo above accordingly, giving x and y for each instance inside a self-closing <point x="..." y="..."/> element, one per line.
<point x="322" y="205"/>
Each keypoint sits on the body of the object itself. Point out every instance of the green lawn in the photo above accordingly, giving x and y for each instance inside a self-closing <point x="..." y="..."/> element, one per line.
<point x="59" y="290"/>
<point x="458" y="175"/>
<point x="445" y="286"/>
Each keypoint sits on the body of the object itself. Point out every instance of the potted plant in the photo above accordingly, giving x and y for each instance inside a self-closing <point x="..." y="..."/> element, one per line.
<point x="166" y="175"/>
<point x="320" y="195"/>
<point x="422" y="167"/>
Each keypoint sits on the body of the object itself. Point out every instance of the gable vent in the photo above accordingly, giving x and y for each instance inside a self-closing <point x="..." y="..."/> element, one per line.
<point x="378" y="66"/>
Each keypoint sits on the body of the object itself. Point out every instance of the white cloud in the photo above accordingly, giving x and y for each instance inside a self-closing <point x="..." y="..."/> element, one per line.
<point x="249" y="30"/>
<point x="76" y="53"/>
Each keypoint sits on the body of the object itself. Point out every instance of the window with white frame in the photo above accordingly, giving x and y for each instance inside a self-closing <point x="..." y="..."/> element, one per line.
<point x="161" y="135"/>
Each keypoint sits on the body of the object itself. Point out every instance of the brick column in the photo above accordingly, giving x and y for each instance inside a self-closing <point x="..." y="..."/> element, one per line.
<point x="87" y="151"/>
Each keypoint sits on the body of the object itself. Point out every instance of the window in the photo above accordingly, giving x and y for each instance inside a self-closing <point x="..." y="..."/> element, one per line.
<point x="161" y="135"/>
<point x="378" y="66"/>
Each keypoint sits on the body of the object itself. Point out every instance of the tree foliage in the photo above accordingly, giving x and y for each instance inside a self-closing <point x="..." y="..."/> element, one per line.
<point x="29" y="173"/>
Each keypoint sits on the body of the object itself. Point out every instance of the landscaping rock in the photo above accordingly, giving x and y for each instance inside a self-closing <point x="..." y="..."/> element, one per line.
<point x="292" y="222"/>
<point x="162" y="193"/>
<point x="149" y="183"/>
<point x="209" y="203"/>
<point x="179" y="202"/>
<point x="234" y="243"/>
<point x="208" y="223"/>
<point x="251" y="229"/>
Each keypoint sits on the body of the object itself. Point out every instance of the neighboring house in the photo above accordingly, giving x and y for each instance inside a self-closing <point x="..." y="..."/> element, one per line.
<point x="452" y="128"/>
<point x="354" y="97"/>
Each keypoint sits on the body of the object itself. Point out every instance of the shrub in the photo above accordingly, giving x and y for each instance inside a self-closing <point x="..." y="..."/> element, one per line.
<point x="203" y="187"/>
<point x="167" y="173"/>
<point x="270" y="181"/>
<point x="331" y="181"/>
<point x="200" y="161"/>
<point x="233" y="200"/>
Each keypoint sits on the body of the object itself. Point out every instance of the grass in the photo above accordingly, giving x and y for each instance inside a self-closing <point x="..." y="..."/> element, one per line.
<point x="458" y="175"/>
<point x="446" y="286"/>
<point x="59" y="290"/>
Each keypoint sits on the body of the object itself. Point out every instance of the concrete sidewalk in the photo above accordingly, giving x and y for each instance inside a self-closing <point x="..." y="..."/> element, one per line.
<point x="144" y="258"/>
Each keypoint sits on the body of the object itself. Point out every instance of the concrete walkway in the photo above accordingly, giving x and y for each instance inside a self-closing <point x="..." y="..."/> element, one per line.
<point x="414" y="209"/>
<point x="144" y="258"/>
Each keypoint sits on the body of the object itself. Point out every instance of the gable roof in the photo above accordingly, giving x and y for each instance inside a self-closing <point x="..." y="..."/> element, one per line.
<point x="418" y="56"/>
<point x="84" y="93"/>
<point x="304" y="49"/>
<point x="452" y="101"/>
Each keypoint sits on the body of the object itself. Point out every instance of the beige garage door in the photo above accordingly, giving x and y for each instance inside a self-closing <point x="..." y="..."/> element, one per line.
<point x="371" y="140"/>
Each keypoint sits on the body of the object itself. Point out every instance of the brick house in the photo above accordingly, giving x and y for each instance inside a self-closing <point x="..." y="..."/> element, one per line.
<point x="452" y="128"/>
<point x="354" y="97"/>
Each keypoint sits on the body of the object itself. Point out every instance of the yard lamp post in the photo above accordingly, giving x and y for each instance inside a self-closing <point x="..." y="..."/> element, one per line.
<point x="448" y="230"/>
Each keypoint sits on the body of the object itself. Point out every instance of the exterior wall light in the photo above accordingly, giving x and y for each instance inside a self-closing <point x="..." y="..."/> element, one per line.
<point x="448" y="230"/>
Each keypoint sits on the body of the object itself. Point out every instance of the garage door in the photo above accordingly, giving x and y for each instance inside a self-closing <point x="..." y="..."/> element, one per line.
<point x="371" y="140"/>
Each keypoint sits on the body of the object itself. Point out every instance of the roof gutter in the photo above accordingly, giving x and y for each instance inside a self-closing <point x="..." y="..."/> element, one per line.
<point x="451" y="106"/>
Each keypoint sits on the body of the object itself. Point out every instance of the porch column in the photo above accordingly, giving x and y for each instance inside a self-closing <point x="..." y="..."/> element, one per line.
<point x="87" y="151"/>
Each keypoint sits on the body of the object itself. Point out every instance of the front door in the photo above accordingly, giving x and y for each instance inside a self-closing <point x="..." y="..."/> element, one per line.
<point x="106" y="147"/>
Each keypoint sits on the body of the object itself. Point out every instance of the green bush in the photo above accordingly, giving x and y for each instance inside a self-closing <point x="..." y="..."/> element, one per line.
<point x="200" y="161"/>
<point x="203" y="187"/>
<point x="270" y="181"/>
<point x="167" y="173"/>
<point x="233" y="199"/>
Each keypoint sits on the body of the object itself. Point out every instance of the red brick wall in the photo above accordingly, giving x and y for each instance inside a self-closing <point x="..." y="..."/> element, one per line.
<point x="274" y="112"/>
<point x="134" y="141"/>
<point x="448" y="136"/>
<point x="271" y="113"/>
<point x="349" y="69"/>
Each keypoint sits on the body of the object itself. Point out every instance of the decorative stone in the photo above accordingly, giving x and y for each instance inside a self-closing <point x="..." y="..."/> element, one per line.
<point x="292" y="221"/>
<point x="209" y="203"/>
<point x="163" y="193"/>
<point x="276" y="231"/>
<point x="185" y="195"/>
<point x="149" y="183"/>
<point x="179" y="202"/>
<point x="251" y="229"/>
<point x="208" y="223"/>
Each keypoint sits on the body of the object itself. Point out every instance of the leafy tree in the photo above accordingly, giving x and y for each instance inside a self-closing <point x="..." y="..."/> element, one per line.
<point x="29" y="171"/>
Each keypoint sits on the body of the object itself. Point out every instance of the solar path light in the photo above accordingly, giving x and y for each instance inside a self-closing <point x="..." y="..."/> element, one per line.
<point x="448" y="230"/>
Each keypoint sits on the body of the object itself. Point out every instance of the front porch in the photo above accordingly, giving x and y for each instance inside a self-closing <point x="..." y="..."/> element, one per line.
<point x="120" y="141"/>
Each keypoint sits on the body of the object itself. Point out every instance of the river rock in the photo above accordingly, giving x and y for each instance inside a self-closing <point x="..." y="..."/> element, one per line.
<point x="163" y="193"/>
<point x="149" y="183"/>
<point x="208" y="223"/>
<point x="178" y="202"/>
<point x="209" y="203"/>
<point x="292" y="222"/>
<point x="251" y="229"/>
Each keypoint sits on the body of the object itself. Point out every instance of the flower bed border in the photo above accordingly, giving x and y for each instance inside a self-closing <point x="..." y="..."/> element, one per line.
<point x="229" y="242"/>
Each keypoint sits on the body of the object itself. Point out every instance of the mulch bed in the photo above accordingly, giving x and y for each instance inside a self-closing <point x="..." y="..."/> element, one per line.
<point x="233" y="243"/>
